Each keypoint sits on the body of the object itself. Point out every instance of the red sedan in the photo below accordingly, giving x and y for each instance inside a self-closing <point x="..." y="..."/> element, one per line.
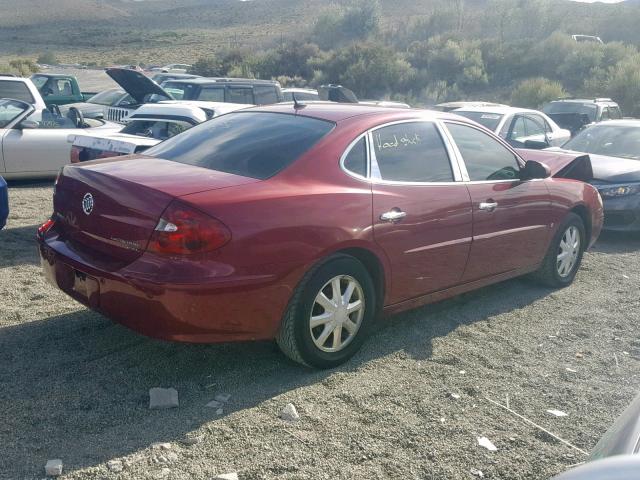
<point x="304" y="223"/>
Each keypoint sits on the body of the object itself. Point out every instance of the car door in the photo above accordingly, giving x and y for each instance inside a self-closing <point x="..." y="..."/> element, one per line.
<point x="421" y="208"/>
<point x="510" y="217"/>
<point x="37" y="151"/>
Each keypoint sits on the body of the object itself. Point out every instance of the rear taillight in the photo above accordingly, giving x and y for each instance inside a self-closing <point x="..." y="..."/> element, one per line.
<point x="183" y="230"/>
<point x="75" y="154"/>
<point x="45" y="227"/>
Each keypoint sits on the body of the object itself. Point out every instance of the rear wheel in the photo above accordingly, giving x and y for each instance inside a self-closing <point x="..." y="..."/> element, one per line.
<point x="330" y="314"/>
<point x="564" y="256"/>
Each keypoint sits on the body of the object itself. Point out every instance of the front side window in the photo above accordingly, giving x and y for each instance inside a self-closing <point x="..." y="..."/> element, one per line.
<point x="534" y="126"/>
<point x="485" y="157"/>
<point x="410" y="152"/>
<point x="518" y="129"/>
<point x="250" y="144"/>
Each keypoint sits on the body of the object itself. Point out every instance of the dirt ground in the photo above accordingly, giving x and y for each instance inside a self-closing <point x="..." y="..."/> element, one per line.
<point x="75" y="386"/>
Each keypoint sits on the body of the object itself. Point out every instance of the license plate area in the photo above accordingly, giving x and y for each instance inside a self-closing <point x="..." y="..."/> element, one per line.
<point x="82" y="287"/>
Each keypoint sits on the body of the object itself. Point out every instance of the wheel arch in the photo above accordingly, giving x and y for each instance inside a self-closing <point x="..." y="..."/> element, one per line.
<point x="583" y="212"/>
<point x="374" y="266"/>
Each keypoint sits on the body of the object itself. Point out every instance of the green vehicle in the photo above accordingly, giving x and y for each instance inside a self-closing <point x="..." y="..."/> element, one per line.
<point x="59" y="89"/>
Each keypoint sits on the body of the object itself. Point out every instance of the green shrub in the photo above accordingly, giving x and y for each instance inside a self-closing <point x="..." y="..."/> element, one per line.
<point x="535" y="92"/>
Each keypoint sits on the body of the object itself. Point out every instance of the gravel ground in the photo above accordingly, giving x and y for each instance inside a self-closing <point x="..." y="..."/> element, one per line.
<point x="75" y="386"/>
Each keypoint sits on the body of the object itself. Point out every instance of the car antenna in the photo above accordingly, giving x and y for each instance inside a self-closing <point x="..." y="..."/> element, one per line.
<point x="297" y="105"/>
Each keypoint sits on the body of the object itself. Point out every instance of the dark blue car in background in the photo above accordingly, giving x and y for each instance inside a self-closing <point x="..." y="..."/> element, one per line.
<point x="4" y="202"/>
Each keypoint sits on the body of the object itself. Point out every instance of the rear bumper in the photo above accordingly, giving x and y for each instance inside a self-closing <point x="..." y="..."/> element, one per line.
<point x="622" y="214"/>
<point x="216" y="303"/>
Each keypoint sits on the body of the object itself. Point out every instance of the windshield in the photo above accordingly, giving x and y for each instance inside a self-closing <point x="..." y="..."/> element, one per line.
<point x="158" y="129"/>
<point x="611" y="140"/>
<point x="488" y="120"/>
<point x="10" y="110"/>
<point x="108" y="97"/>
<point x="39" y="81"/>
<point x="251" y="144"/>
<point x="571" y="108"/>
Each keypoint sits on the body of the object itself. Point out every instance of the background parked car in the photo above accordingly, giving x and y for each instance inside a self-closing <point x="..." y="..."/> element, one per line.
<point x="59" y="89"/>
<point x="147" y="126"/>
<point x="96" y="106"/>
<point x="300" y="93"/>
<point x="176" y="68"/>
<point x="520" y="127"/>
<point x="576" y="113"/>
<point x="160" y="78"/>
<point x="4" y="203"/>
<point x="229" y="90"/>
<point x="450" y="106"/>
<point x="21" y="89"/>
<point x="34" y="142"/>
<point x="614" y="149"/>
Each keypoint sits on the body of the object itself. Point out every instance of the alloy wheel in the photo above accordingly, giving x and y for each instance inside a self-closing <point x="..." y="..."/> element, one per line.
<point x="337" y="313"/>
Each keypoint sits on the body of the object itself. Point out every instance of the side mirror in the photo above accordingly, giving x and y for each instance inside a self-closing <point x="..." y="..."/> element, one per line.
<point x="536" y="144"/>
<point x="28" y="125"/>
<point x="533" y="169"/>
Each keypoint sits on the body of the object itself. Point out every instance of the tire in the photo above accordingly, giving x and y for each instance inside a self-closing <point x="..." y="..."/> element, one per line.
<point x="552" y="273"/>
<point x="304" y="344"/>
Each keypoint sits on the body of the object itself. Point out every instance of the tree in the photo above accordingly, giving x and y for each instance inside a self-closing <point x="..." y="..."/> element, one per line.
<point x="535" y="92"/>
<point x="358" y="22"/>
<point x="47" y="58"/>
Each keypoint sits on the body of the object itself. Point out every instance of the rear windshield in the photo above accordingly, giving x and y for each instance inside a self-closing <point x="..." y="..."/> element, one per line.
<point x="487" y="120"/>
<point x="564" y="108"/>
<point x="15" y="90"/>
<point x="251" y="144"/>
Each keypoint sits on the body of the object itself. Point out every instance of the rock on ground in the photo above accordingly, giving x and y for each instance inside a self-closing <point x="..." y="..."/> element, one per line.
<point x="53" y="468"/>
<point x="161" y="398"/>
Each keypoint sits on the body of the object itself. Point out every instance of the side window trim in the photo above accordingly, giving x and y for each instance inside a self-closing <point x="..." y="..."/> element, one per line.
<point x="373" y="170"/>
<point x="347" y="151"/>
<point x="463" y="166"/>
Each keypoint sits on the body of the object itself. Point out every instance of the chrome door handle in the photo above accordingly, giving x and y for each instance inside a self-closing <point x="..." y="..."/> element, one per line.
<point x="488" y="206"/>
<point x="393" y="215"/>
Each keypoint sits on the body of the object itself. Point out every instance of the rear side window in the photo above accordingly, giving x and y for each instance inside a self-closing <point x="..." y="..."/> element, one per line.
<point x="484" y="156"/>
<point x="240" y="95"/>
<point x="356" y="159"/>
<point x="251" y="144"/>
<point x="212" y="94"/>
<point x="265" y="94"/>
<point x="410" y="152"/>
<point x="15" y="90"/>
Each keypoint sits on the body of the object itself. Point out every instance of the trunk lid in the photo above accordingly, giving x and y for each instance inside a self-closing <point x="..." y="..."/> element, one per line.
<point x="108" y="209"/>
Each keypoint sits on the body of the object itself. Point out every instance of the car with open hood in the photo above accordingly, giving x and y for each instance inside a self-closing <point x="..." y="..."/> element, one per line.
<point x="304" y="223"/>
<point x="520" y="127"/>
<point x="147" y="126"/>
<point x="614" y="149"/>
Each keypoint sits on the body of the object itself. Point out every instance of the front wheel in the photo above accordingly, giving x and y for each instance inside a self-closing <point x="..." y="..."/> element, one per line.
<point x="330" y="314"/>
<point x="564" y="256"/>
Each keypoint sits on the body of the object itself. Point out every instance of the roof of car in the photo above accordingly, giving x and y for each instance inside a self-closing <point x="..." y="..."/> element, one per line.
<point x="584" y="100"/>
<point x="210" y="80"/>
<point x="336" y="112"/>
<point x="625" y="122"/>
<point x="496" y="110"/>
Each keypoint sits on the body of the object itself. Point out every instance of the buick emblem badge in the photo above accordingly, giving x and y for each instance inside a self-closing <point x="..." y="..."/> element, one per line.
<point x="87" y="203"/>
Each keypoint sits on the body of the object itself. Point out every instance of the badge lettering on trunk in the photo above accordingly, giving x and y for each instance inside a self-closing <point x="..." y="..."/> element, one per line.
<point x="87" y="204"/>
